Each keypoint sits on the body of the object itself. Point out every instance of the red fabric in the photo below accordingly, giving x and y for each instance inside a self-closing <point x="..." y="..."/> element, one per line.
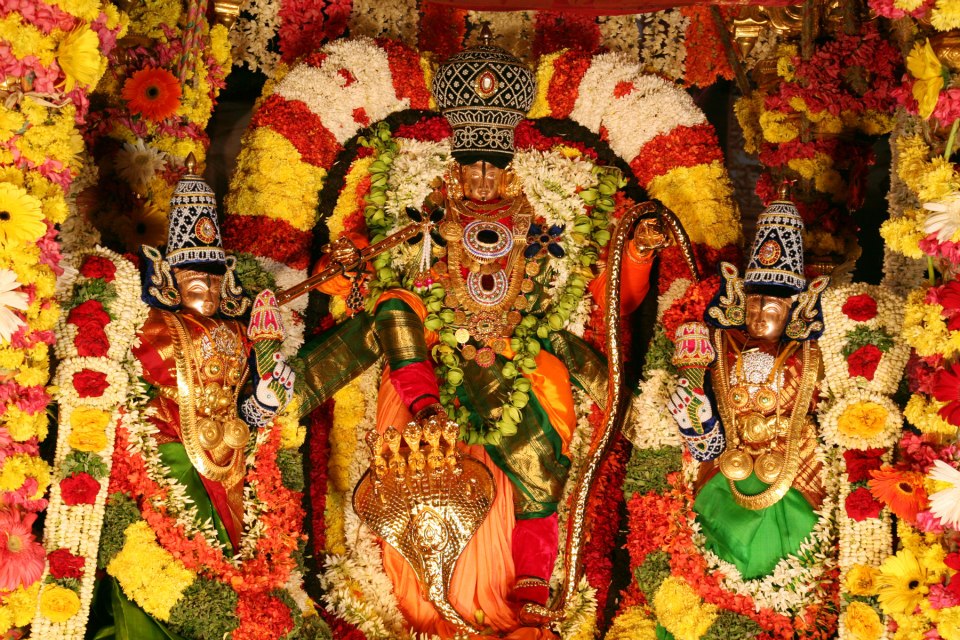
<point x="594" y="7"/>
<point x="535" y="546"/>
<point x="416" y="385"/>
<point x="218" y="497"/>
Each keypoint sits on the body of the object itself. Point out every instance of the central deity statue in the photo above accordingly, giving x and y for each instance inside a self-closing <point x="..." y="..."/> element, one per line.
<point x="489" y="363"/>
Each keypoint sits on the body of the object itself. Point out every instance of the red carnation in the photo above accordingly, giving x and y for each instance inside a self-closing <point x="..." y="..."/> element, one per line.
<point x="64" y="564"/>
<point x="860" y="307"/>
<point x="98" y="267"/>
<point x="92" y="342"/>
<point x="90" y="383"/>
<point x="80" y="488"/>
<point x="88" y="313"/>
<point x="946" y="388"/>
<point x="860" y="505"/>
<point x="860" y="462"/>
<point x="864" y="361"/>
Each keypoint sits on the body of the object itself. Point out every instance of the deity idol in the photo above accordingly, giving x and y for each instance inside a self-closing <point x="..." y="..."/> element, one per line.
<point x="489" y="361"/>
<point x="213" y="389"/>
<point x="750" y="423"/>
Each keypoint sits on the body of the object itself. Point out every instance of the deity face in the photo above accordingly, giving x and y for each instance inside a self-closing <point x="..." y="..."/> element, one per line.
<point x="481" y="181"/>
<point x="767" y="316"/>
<point x="199" y="291"/>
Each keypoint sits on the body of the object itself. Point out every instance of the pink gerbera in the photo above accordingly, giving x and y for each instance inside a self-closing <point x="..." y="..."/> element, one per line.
<point x="21" y="557"/>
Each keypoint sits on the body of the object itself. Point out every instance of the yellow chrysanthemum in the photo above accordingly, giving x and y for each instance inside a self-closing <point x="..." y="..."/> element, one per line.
<point x="220" y="45"/>
<point x="21" y="218"/>
<point x="862" y="622"/>
<point x="862" y="420"/>
<point x="903" y="235"/>
<point x="948" y="623"/>
<point x="545" y="71"/>
<point x="861" y="580"/>
<point x="348" y="202"/>
<point x="78" y="55"/>
<point x="922" y="413"/>
<point x="778" y="126"/>
<point x="58" y="604"/>
<point x="902" y="583"/>
<point x="632" y="624"/>
<point x="88" y="429"/>
<point x="945" y="15"/>
<point x="11" y="123"/>
<point x="21" y="604"/>
<point x="681" y="611"/>
<point x="937" y="180"/>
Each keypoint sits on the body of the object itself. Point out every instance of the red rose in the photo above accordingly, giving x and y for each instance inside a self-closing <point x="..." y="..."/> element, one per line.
<point x="92" y="342"/>
<point x="860" y="462"/>
<point x="89" y="313"/>
<point x="64" y="564"/>
<point x="861" y="307"/>
<point x="98" y="267"/>
<point x="860" y="505"/>
<point x="89" y="383"/>
<point x="864" y="361"/>
<point x="80" y="488"/>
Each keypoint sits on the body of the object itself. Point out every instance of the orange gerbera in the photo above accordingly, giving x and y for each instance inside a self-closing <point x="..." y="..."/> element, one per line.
<point x="902" y="491"/>
<point x="153" y="93"/>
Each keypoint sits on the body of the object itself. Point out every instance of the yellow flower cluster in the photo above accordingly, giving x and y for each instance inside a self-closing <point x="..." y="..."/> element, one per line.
<point x="18" y="468"/>
<point x="862" y="420"/>
<point x="88" y="429"/>
<point x="349" y="406"/>
<point x="925" y="329"/>
<point x="19" y="606"/>
<point x="921" y="411"/>
<point x="545" y="71"/>
<point x="748" y="110"/>
<point x="272" y="180"/>
<point x="944" y="17"/>
<point x="681" y="611"/>
<point x="632" y="624"/>
<point x="348" y="202"/>
<point x="702" y="198"/>
<point x="862" y="622"/>
<point x="292" y="433"/>
<point x="160" y="588"/>
<point x="59" y="604"/>
<point x="861" y="580"/>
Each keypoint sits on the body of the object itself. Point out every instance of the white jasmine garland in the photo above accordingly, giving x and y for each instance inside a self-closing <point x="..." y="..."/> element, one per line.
<point x="415" y="166"/>
<point x="601" y="78"/>
<point x="662" y="49"/>
<point x="257" y="24"/>
<point x="549" y="180"/>
<point x="620" y="33"/>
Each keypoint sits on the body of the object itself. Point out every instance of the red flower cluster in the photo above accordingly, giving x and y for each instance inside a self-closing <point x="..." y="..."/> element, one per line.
<point x="946" y="388"/>
<point x="860" y="505"/>
<point x="90" y="383"/>
<point x="90" y="319"/>
<point x="861" y="307"/>
<point x="79" y="488"/>
<point x="442" y="29"/>
<point x="408" y="79"/>
<point x="568" y="71"/>
<point x="679" y="147"/>
<point x="864" y="361"/>
<point x="64" y="564"/>
<point x="98" y="267"/>
<point x="710" y="62"/>
<point x="432" y="129"/>
<point x="860" y="462"/>
<point x="948" y="297"/>
<point x="555" y="30"/>
<point x="295" y="122"/>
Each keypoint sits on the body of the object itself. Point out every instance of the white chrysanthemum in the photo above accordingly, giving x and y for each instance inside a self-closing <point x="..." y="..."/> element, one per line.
<point x="10" y="298"/>
<point x="137" y="163"/>
<point x="945" y="504"/>
<point x="944" y="216"/>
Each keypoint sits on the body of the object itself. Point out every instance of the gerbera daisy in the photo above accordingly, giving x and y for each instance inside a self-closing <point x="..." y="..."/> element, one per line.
<point x="946" y="388"/>
<point x="137" y="163"/>
<point x="10" y="298"/>
<point x="78" y="55"/>
<point x="945" y="504"/>
<point x="147" y="224"/>
<point x="902" y="583"/>
<point x="21" y="218"/>
<point x="902" y="490"/>
<point x="153" y="93"/>
<point x="21" y="557"/>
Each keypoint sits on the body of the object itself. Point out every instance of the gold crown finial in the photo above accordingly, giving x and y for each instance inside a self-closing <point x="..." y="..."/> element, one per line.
<point x="783" y="191"/>
<point x="191" y="163"/>
<point x="486" y="36"/>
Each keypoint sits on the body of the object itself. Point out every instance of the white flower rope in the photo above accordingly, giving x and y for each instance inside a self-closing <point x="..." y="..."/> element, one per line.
<point x="77" y="528"/>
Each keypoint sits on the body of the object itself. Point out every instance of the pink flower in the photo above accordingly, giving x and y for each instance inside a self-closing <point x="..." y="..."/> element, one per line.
<point x="942" y="598"/>
<point x="21" y="557"/>
<point x="928" y="522"/>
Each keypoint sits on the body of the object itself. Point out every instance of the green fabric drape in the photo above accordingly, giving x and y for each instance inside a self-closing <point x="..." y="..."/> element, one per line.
<point x="179" y="468"/>
<point x="754" y="541"/>
<point x="130" y="622"/>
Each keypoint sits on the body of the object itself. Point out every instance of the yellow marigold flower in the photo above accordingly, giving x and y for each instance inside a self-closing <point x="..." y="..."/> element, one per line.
<point x="945" y="15"/>
<point x="902" y="583"/>
<point x="937" y="180"/>
<point x="862" y="622"/>
<point x="681" y="611"/>
<point x="78" y="55"/>
<point x="632" y="624"/>
<point x="923" y="64"/>
<point x="785" y="68"/>
<point x="25" y="39"/>
<point x="861" y="580"/>
<point x="21" y="605"/>
<point x="11" y="123"/>
<point x="830" y="181"/>
<point x="58" y="604"/>
<point x="220" y="45"/>
<point x="702" y="198"/>
<point x="83" y="9"/>
<point x="348" y="202"/>
<point x="948" y="623"/>
<point x="874" y="123"/>
<point x="903" y="236"/>
<point x="778" y="126"/>
<point x="922" y="413"/>
<point x="863" y="420"/>
<point x="748" y="110"/>
<point x="88" y="429"/>
<point x="348" y="404"/>
<point x="21" y="219"/>
<point x="545" y="71"/>
<point x="292" y="433"/>
<point x="149" y="17"/>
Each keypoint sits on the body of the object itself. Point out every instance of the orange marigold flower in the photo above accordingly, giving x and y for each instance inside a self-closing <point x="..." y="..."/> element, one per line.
<point x="903" y="491"/>
<point x="153" y="93"/>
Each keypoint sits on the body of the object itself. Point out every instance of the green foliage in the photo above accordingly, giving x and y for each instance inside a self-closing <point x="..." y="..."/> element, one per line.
<point x="659" y="354"/>
<point x="311" y="627"/>
<point x="862" y="336"/>
<point x="206" y="611"/>
<point x="77" y="461"/>
<point x="291" y="469"/>
<point x="651" y="574"/>
<point x="732" y="626"/>
<point x="121" y="511"/>
<point x="96" y="289"/>
<point x="251" y="275"/>
<point x="648" y="468"/>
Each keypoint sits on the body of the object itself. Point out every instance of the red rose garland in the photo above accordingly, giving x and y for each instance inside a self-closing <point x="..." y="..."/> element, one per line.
<point x="89" y="383"/>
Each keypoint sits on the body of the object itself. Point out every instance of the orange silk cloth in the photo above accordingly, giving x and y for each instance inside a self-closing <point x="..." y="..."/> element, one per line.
<point x="484" y="574"/>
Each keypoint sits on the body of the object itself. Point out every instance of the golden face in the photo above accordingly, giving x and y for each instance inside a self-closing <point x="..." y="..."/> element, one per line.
<point x="199" y="291"/>
<point x="481" y="181"/>
<point x="767" y="316"/>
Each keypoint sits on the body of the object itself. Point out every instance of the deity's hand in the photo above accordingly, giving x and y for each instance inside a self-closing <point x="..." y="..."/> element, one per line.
<point x="691" y="408"/>
<point x="649" y="236"/>
<point x="280" y="379"/>
<point x="343" y="252"/>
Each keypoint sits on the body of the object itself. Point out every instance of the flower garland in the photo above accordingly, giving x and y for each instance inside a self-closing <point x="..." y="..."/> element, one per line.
<point x="102" y="313"/>
<point x="158" y="95"/>
<point x="51" y="56"/>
